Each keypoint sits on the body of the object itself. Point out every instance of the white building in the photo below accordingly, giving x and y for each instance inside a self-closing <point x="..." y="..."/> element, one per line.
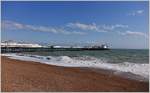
<point x="14" y="44"/>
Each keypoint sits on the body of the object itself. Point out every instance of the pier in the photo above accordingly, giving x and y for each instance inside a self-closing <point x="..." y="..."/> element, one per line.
<point x="43" y="49"/>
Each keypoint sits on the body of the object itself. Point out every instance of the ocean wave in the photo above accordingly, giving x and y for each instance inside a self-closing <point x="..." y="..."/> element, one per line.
<point x="86" y="61"/>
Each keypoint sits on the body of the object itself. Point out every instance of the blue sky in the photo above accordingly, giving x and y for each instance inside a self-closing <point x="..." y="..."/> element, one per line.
<point x="119" y="24"/>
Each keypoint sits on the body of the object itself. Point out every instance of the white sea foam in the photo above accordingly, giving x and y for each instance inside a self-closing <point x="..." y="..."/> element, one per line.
<point x="86" y="61"/>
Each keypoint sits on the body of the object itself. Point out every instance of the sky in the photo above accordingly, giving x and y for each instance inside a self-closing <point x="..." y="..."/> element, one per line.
<point x="115" y="23"/>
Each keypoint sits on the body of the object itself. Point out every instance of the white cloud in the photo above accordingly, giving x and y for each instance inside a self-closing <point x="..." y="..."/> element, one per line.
<point x="137" y="12"/>
<point x="112" y="27"/>
<point x="95" y="27"/>
<point x="120" y="26"/>
<point x="131" y="33"/>
<point x="140" y="11"/>
<point x="83" y="26"/>
<point x="11" y="25"/>
<point x="74" y="28"/>
<point x="77" y="32"/>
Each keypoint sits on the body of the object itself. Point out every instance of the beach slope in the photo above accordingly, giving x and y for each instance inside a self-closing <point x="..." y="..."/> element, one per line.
<point x="31" y="76"/>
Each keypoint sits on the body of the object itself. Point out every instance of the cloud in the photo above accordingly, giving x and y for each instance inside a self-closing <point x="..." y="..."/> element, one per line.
<point x="83" y="26"/>
<point x="112" y="27"/>
<point x="74" y="27"/>
<point x="140" y="11"/>
<point x="11" y="25"/>
<point x="95" y="27"/>
<point x="137" y="12"/>
<point x="77" y="32"/>
<point x="131" y="33"/>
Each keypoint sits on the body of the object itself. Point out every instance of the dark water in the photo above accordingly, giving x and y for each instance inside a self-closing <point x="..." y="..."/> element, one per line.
<point x="112" y="56"/>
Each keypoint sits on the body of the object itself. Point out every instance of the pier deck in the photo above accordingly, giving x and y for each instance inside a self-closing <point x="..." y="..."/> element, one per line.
<point x="37" y="49"/>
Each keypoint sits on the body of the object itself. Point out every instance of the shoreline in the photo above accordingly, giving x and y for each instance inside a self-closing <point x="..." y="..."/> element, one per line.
<point x="20" y="75"/>
<point x="66" y="61"/>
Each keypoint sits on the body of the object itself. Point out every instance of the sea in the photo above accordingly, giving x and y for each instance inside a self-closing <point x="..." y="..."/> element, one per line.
<point x="129" y="63"/>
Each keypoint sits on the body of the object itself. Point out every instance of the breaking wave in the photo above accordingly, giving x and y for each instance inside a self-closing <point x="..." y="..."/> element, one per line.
<point x="86" y="61"/>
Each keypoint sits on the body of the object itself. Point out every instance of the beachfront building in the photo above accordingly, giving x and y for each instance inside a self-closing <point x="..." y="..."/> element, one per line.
<point x="15" y="44"/>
